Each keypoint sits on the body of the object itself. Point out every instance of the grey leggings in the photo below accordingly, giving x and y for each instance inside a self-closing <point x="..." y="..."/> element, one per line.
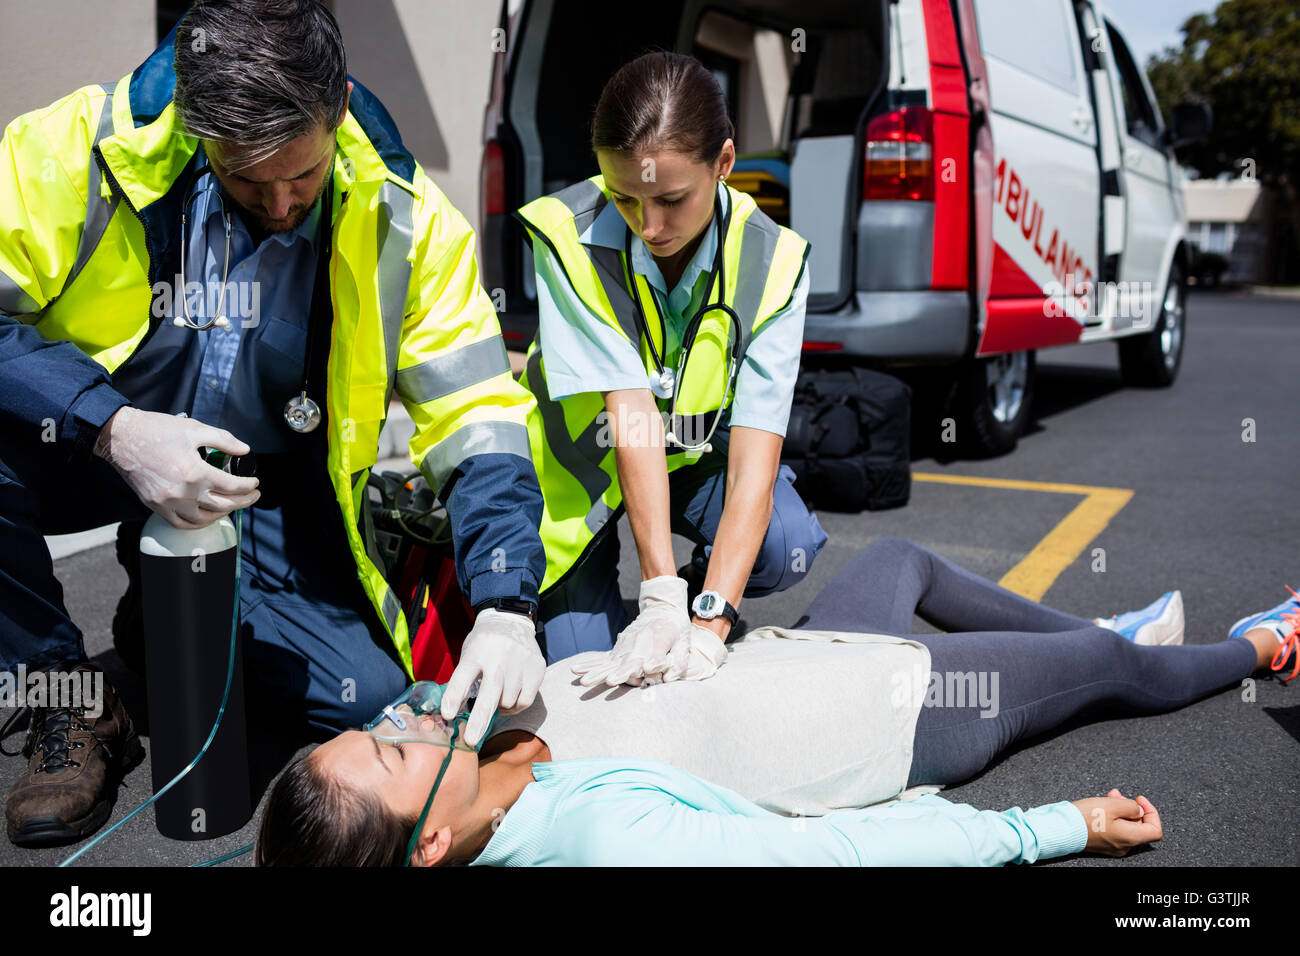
<point x="1048" y="666"/>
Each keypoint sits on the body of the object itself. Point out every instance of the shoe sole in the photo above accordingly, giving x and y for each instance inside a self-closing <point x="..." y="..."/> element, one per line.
<point x="47" y="832"/>
<point x="1165" y="630"/>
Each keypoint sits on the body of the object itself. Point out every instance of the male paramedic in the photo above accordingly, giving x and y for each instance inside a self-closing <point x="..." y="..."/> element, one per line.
<point x="231" y="249"/>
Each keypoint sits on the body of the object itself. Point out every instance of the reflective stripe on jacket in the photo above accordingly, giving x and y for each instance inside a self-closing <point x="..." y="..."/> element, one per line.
<point x="90" y="197"/>
<point x="570" y="437"/>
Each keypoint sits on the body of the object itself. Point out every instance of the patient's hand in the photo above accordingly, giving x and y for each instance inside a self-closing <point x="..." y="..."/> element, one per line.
<point x="1116" y="824"/>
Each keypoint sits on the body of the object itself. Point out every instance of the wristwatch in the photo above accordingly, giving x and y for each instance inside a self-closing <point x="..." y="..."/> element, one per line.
<point x="513" y="605"/>
<point x="711" y="604"/>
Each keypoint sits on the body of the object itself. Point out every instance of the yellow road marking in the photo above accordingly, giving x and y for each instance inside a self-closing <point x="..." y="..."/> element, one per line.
<point x="1040" y="568"/>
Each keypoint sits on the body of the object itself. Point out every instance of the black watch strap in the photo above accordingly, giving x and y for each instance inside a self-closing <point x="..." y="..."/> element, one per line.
<point x="513" y="605"/>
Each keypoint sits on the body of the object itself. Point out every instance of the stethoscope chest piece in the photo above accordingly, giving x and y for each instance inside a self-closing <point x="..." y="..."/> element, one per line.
<point x="663" y="382"/>
<point x="301" y="413"/>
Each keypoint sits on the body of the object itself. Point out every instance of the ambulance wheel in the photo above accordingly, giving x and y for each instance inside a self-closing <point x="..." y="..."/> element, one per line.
<point x="1153" y="358"/>
<point x="991" y="403"/>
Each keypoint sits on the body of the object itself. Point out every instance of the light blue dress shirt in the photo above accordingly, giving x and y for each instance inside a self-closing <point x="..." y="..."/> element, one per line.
<point x="603" y="812"/>
<point x="268" y="297"/>
<point x="237" y="378"/>
<point x="282" y="267"/>
<point x="583" y="354"/>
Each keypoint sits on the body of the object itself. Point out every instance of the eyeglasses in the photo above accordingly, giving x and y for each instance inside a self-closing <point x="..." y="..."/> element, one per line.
<point x="414" y="717"/>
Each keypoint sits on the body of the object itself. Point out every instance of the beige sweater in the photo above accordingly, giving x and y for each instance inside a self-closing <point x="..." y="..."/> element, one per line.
<point x="800" y="722"/>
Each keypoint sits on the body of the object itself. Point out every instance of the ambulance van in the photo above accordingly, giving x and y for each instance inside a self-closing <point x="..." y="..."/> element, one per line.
<point x="978" y="179"/>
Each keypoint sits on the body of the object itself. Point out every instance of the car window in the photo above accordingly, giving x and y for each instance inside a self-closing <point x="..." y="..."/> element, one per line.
<point x="1032" y="35"/>
<point x="1138" y="113"/>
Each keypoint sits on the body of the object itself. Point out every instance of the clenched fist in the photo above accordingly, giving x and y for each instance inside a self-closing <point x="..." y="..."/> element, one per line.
<point x="1116" y="824"/>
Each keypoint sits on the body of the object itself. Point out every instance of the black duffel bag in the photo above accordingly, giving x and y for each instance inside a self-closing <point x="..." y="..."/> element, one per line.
<point x="848" y="439"/>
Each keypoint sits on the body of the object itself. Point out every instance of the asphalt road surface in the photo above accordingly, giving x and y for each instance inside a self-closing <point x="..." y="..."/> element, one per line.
<point x="1210" y="514"/>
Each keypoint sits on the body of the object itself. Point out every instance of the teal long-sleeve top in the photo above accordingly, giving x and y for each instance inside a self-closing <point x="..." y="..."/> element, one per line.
<point x="606" y="812"/>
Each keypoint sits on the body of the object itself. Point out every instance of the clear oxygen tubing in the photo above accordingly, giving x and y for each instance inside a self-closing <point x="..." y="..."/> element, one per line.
<point x="225" y="697"/>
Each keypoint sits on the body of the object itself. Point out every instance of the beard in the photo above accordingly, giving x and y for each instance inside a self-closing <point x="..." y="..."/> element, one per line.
<point x="288" y="224"/>
<point x="296" y="215"/>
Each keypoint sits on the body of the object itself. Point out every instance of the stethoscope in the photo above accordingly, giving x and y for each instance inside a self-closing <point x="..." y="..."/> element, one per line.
<point x="300" y="413"/>
<point x="665" y="382"/>
<point x="186" y="320"/>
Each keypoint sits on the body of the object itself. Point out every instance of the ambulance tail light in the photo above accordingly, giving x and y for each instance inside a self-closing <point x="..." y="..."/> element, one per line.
<point x="899" y="163"/>
<point x="492" y="180"/>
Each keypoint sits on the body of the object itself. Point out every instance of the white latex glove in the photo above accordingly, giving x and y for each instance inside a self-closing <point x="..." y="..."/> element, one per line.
<point x="157" y="456"/>
<point x="643" y="646"/>
<point x="502" y="650"/>
<point x="696" y="658"/>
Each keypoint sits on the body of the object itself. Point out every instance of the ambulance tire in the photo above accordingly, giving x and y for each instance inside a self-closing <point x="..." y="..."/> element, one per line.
<point x="1152" y="360"/>
<point x="991" y="403"/>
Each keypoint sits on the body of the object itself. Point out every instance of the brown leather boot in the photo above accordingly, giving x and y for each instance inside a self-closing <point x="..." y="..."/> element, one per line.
<point x="75" y="762"/>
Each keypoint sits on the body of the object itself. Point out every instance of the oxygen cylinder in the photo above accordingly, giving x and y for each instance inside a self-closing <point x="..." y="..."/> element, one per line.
<point x="187" y="581"/>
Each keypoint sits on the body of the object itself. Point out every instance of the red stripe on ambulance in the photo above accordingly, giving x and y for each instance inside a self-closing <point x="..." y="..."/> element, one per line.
<point x="1025" y="320"/>
<point x="949" y="268"/>
<point x="1067" y="265"/>
<point x="1020" y="316"/>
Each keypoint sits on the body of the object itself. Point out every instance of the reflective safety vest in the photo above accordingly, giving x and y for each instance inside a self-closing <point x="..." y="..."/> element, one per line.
<point x="90" y="195"/>
<point x="571" y="437"/>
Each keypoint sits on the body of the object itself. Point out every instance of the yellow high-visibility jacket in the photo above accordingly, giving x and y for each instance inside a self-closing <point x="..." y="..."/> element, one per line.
<point x="90" y="190"/>
<point x="570" y="436"/>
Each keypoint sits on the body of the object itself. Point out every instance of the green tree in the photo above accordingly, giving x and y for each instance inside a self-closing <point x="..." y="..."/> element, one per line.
<point x="1244" y="62"/>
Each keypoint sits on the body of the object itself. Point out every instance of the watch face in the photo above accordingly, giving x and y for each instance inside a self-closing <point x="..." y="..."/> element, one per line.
<point x="706" y="604"/>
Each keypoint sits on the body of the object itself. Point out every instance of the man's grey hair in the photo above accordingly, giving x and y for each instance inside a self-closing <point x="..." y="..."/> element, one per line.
<point x="255" y="74"/>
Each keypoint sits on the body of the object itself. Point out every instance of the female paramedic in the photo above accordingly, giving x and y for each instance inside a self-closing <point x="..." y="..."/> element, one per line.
<point x="845" y="710"/>
<point x="664" y="298"/>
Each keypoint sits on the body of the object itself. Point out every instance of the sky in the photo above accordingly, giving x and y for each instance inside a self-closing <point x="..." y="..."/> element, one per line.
<point x="1151" y="25"/>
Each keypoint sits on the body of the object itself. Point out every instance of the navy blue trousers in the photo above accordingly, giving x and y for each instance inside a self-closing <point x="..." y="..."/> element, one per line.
<point x="1050" y="666"/>
<point x="585" y="611"/>
<point x="314" y="650"/>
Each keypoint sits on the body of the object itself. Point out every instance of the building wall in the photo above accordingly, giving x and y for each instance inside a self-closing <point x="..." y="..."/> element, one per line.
<point x="52" y="47"/>
<point x="430" y="62"/>
<point x="1231" y="217"/>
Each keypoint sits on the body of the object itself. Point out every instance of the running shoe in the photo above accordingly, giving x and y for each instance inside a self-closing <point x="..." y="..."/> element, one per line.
<point x="1284" y="622"/>
<point x="1160" y="622"/>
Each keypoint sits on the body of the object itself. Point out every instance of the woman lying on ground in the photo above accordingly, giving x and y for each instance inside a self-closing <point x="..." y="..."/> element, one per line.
<point x="771" y="760"/>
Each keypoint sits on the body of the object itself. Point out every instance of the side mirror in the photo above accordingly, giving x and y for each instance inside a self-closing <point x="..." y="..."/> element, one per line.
<point x="1190" y="123"/>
